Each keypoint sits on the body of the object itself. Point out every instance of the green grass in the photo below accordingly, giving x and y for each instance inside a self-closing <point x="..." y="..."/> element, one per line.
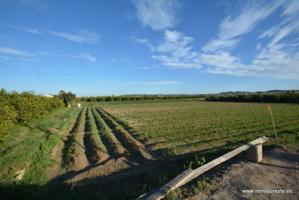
<point x="29" y="146"/>
<point x="179" y="127"/>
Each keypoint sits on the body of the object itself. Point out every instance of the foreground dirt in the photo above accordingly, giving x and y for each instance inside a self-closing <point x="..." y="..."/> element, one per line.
<point x="276" y="177"/>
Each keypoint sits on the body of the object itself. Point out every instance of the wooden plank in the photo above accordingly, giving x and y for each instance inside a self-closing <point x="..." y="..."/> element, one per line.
<point x="225" y="157"/>
<point x="189" y="175"/>
<point x="171" y="185"/>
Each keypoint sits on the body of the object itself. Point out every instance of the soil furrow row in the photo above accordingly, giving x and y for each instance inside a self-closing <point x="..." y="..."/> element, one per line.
<point x="79" y="158"/>
<point x="135" y="148"/>
<point x="68" y="150"/>
<point x="89" y="144"/>
<point x="113" y="146"/>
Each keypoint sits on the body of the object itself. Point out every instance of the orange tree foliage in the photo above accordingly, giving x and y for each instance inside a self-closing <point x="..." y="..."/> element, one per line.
<point x="24" y="107"/>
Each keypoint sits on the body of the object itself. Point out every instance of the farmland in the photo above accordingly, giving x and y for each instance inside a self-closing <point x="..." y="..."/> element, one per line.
<point x="179" y="127"/>
<point x="130" y="147"/>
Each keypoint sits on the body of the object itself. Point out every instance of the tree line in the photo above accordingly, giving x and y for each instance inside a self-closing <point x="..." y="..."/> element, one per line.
<point x="24" y="107"/>
<point x="136" y="97"/>
<point x="283" y="97"/>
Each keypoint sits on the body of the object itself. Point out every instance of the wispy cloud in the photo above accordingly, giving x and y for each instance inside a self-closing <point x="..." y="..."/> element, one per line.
<point x="174" y="51"/>
<point x="39" y="5"/>
<point x="83" y="56"/>
<point x="146" y="42"/>
<point x="87" y="56"/>
<point x="28" y="30"/>
<point x="82" y="36"/>
<point x="121" y="60"/>
<point x="233" y="27"/>
<point x="7" y="53"/>
<point x="284" y="31"/>
<point x="157" y="14"/>
<point x="291" y="8"/>
<point x="276" y="58"/>
<point x="163" y="82"/>
<point x="15" y="52"/>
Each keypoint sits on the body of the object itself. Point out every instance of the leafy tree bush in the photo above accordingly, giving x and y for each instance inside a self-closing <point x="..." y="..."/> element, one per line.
<point x="7" y="112"/>
<point x="66" y="97"/>
<point x="24" y="107"/>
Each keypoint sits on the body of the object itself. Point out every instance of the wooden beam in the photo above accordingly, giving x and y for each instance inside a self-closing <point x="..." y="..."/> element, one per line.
<point x="190" y="174"/>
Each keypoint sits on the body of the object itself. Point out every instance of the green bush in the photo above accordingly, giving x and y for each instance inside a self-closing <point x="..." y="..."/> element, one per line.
<point x="24" y="107"/>
<point x="7" y="116"/>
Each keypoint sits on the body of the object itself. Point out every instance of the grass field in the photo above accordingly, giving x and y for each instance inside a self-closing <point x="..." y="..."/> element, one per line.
<point x="130" y="147"/>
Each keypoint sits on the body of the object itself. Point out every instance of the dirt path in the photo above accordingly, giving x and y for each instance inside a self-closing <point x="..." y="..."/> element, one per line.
<point x="273" y="178"/>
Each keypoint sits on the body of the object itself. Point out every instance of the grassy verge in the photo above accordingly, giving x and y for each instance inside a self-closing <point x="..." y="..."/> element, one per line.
<point x="28" y="147"/>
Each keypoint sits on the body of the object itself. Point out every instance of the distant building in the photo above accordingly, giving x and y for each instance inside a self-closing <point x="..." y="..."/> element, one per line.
<point x="48" y="95"/>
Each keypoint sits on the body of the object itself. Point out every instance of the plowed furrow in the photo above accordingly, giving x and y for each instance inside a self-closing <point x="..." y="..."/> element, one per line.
<point x="80" y="160"/>
<point x="113" y="146"/>
<point x="136" y="149"/>
<point x="68" y="150"/>
<point x="90" y="148"/>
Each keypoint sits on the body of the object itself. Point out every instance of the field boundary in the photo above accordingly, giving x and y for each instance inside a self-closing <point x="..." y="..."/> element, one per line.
<point x="189" y="174"/>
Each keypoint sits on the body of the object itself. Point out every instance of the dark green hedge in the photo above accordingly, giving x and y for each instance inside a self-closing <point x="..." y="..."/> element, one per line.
<point x="24" y="107"/>
<point x="288" y="97"/>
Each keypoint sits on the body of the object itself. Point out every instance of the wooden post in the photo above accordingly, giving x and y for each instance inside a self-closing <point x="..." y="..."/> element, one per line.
<point x="255" y="153"/>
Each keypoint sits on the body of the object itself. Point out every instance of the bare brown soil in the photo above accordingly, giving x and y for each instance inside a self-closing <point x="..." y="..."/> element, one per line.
<point x="269" y="179"/>
<point x="89" y="162"/>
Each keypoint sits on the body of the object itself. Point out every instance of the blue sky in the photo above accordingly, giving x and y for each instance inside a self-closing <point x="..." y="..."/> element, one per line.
<point x="143" y="46"/>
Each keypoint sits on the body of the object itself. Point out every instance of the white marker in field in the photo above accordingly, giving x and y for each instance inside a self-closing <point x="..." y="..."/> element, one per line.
<point x="79" y="105"/>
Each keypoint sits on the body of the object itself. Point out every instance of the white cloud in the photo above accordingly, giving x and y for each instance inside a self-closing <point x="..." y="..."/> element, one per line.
<point x="14" y="52"/>
<point x="291" y="8"/>
<point x="145" y="42"/>
<point x="84" y="56"/>
<point x="28" y="30"/>
<point x="278" y="58"/>
<point x="157" y="14"/>
<point x="233" y="27"/>
<point x="252" y="13"/>
<point x="39" y="5"/>
<point x="88" y="57"/>
<point x="220" y="44"/>
<point x="121" y="60"/>
<point x="277" y="53"/>
<point x="174" y="51"/>
<point x="82" y="36"/>
<point x="284" y="31"/>
<point x="273" y="63"/>
<point x="269" y="32"/>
